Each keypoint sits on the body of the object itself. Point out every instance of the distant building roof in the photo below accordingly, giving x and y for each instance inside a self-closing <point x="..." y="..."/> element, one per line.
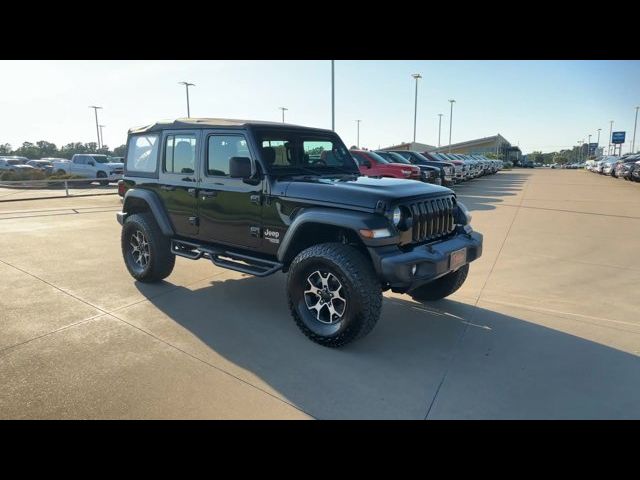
<point x="470" y="143"/>
<point x="415" y="146"/>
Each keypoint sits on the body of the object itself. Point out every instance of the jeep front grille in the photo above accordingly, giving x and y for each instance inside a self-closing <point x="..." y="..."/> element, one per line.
<point x="432" y="218"/>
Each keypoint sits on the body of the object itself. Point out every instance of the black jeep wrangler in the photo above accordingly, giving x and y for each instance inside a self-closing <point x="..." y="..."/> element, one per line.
<point x="259" y="197"/>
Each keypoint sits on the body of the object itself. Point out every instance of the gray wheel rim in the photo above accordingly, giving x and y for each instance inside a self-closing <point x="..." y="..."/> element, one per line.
<point x="324" y="297"/>
<point x="139" y="249"/>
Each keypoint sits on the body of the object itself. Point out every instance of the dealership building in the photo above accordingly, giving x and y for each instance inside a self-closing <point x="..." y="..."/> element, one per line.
<point x="495" y="144"/>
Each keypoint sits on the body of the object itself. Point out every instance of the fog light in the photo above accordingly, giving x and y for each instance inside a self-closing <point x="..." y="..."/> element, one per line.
<point x="414" y="269"/>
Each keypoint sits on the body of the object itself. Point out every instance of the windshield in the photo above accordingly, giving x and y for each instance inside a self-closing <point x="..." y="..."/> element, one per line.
<point x="302" y="152"/>
<point x="394" y="157"/>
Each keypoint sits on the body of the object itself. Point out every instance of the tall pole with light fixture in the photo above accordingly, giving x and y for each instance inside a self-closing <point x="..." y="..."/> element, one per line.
<point x="439" y="127"/>
<point x="95" y="110"/>
<point x="417" y="76"/>
<point x="610" y="134"/>
<point x="187" y="85"/>
<point x="283" y="110"/>
<point x="451" y="101"/>
<point x="635" y="125"/>
<point x="358" y="137"/>
<point x="333" y="96"/>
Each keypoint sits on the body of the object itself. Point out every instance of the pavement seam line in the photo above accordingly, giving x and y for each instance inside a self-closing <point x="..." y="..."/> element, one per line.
<point x="215" y="367"/>
<point x="57" y="330"/>
<point x="456" y="347"/>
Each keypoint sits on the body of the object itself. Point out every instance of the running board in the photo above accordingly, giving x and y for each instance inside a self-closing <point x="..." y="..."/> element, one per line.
<point x="225" y="259"/>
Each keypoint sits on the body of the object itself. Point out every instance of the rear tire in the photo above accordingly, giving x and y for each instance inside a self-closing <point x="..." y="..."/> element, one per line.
<point x="442" y="287"/>
<point x="104" y="183"/>
<point x="334" y="294"/>
<point x="146" y="251"/>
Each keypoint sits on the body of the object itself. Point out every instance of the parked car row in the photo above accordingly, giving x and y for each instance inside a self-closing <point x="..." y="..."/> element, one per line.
<point x="626" y="166"/>
<point x="83" y="165"/>
<point x="437" y="168"/>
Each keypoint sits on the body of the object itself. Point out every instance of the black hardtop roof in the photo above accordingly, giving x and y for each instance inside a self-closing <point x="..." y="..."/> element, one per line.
<point x="191" y="123"/>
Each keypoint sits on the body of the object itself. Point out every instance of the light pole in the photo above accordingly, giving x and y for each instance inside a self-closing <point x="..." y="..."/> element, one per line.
<point x="333" y="96"/>
<point x="358" y="137"/>
<point x="599" y="137"/>
<point x="95" y="109"/>
<point x="283" y="110"/>
<point x="101" y="135"/>
<point x="589" y="147"/>
<point x="610" y="133"/>
<point x="417" y="76"/>
<point x="186" y="86"/>
<point x="635" y="125"/>
<point x="439" y="128"/>
<point x="452" y="101"/>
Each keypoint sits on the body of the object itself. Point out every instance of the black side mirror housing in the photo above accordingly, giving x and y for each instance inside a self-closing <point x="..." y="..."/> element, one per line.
<point x="367" y="163"/>
<point x="240" y="167"/>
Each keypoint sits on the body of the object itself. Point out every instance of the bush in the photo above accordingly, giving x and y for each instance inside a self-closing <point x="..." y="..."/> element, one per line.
<point x="22" y="175"/>
<point x="507" y="165"/>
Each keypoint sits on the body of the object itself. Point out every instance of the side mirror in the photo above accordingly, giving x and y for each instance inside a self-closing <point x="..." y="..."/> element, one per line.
<point x="366" y="163"/>
<point x="240" y="167"/>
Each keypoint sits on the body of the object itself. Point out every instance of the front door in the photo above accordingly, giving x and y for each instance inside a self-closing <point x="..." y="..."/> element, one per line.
<point x="229" y="208"/>
<point x="178" y="180"/>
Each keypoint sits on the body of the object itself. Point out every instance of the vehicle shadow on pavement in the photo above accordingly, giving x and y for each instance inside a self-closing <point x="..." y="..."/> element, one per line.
<point x="447" y="359"/>
<point x="484" y="193"/>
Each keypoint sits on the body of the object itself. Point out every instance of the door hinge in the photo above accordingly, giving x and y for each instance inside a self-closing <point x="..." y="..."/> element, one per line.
<point x="255" y="231"/>
<point x="257" y="199"/>
<point x="194" y="221"/>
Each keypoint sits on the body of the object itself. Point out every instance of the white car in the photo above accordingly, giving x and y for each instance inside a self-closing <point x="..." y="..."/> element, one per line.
<point x="91" y="166"/>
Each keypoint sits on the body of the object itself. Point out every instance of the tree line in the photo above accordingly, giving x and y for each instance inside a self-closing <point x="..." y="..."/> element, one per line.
<point x="43" y="149"/>
<point x="574" y="155"/>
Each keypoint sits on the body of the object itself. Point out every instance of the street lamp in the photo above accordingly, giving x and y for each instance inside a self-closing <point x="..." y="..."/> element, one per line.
<point x="101" y="135"/>
<point x="599" y="137"/>
<point x="452" y="101"/>
<point x="635" y="125"/>
<point x="589" y="147"/>
<point x="333" y="96"/>
<point x="186" y="86"/>
<point x="610" y="133"/>
<point x="439" y="127"/>
<point x="95" y="110"/>
<point x="283" y="109"/>
<point x="358" y="137"/>
<point x="417" y="76"/>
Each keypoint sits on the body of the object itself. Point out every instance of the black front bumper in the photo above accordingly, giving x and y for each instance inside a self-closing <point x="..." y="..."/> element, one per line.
<point x="432" y="260"/>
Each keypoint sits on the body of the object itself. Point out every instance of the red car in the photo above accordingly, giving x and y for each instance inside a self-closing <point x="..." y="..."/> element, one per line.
<point x="373" y="165"/>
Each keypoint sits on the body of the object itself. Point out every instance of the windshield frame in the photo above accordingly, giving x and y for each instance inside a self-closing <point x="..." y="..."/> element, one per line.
<point x="299" y="136"/>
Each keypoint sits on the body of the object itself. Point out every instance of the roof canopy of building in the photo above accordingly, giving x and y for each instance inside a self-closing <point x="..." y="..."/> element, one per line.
<point x="470" y="144"/>
<point x="414" y="146"/>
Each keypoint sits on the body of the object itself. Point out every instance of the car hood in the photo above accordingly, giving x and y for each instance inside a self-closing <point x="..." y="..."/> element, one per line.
<point x="115" y="165"/>
<point x="364" y="192"/>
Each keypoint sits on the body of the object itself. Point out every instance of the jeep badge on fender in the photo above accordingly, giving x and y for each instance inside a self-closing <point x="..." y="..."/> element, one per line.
<point x="205" y="188"/>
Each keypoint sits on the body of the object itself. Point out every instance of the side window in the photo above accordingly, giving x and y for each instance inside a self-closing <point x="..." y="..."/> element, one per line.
<point x="220" y="149"/>
<point x="142" y="155"/>
<point x="277" y="152"/>
<point x="180" y="154"/>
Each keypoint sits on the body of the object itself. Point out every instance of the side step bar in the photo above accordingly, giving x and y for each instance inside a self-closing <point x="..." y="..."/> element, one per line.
<point x="225" y="259"/>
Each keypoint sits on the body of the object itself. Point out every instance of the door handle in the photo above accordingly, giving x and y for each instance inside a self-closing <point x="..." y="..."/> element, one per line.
<point x="167" y="188"/>
<point x="209" y="193"/>
<point x="188" y="179"/>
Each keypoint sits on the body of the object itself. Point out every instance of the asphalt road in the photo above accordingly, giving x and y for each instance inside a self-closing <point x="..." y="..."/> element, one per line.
<point x="546" y="325"/>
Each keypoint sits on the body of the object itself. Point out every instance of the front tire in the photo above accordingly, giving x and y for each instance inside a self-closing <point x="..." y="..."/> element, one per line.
<point x="146" y="251"/>
<point x="442" y="287"/>
<point x="334" y="294"/>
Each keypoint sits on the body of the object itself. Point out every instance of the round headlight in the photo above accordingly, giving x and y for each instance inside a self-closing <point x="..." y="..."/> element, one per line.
<point x="397" y="216"/>
<point x="465" y="217"/>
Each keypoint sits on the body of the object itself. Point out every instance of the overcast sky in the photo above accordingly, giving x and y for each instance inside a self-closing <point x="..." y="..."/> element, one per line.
<point x="540" y="105"/>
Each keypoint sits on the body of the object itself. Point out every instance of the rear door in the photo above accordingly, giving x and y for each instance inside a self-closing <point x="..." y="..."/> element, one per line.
<point x="178" y="179"/>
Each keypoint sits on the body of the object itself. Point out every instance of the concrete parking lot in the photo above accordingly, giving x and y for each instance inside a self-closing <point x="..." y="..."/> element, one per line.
<point x="546" y="326"/>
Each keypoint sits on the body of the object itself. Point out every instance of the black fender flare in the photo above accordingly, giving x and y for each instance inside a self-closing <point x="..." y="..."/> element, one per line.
<point x="348" y="219"/>
<point x="155" y="206"/>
